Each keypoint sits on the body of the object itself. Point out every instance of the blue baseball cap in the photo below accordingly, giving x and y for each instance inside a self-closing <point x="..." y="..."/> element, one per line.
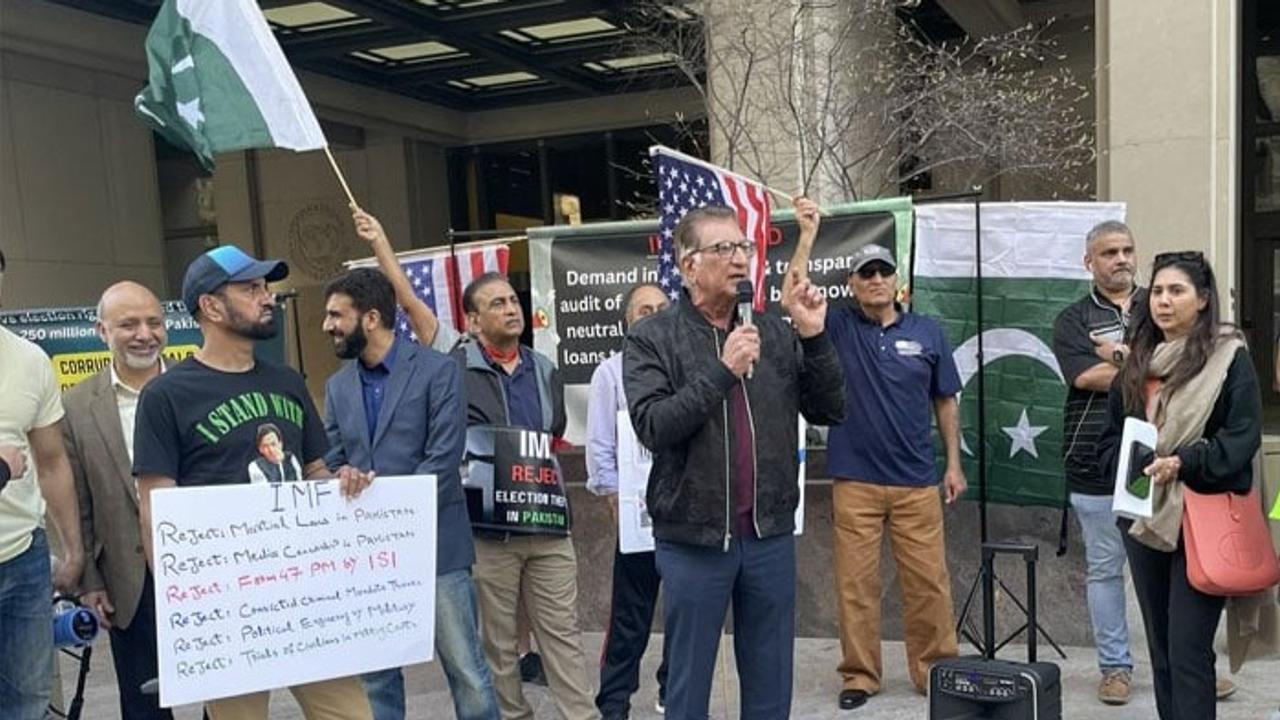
<point x="226" y="264"/>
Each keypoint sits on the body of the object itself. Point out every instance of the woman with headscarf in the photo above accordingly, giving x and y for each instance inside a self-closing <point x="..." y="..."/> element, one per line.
<point x="1192" y="377"/>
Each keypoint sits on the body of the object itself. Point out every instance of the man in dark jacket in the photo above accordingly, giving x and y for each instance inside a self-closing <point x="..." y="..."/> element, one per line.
<point x="717" y="401"/>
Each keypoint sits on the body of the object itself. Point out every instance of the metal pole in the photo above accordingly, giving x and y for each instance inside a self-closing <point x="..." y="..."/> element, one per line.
<point x="610" y="161"/>
<point x="947" y="197"/>
<point x="988" y="602"/>
<point x="1032" y="620"/>
<point x="911" y="270"/>
<point x="544" y="183"/>
<point x="480" y="234"/>
<point x="982" y="370"/>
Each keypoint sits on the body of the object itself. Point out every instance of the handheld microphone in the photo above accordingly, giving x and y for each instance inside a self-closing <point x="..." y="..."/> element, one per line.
<point x="746" y="294"/>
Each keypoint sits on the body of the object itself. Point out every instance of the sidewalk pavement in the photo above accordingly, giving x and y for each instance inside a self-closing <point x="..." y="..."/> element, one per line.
<point x="816" y="687"/>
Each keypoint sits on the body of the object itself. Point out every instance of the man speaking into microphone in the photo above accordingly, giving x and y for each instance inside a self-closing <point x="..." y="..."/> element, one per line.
<point x="716" y="400"/>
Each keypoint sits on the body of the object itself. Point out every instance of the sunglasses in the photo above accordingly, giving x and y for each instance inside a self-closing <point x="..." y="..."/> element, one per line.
<point x="866" y="272"/>
<point x="1179" y="256"/>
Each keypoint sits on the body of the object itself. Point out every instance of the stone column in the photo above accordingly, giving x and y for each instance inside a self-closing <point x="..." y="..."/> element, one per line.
<point x="1167" y="111"/>
<point x="776" y="75"/>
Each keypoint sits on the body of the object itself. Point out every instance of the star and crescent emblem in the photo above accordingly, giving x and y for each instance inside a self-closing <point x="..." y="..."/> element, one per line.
<point x="998" y="343"/>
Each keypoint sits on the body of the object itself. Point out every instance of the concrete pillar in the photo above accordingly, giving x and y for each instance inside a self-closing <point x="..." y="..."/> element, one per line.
<point x="1167" y="110"/>
<point x="777" y="81"/>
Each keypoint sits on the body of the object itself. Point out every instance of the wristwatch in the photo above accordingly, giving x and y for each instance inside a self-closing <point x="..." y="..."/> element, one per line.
<point x="1117" y="356"/>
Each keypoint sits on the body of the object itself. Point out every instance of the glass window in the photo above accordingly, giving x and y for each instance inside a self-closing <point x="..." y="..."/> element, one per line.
<point x="1270" y="382"/>
<point x="1266" y="163"/>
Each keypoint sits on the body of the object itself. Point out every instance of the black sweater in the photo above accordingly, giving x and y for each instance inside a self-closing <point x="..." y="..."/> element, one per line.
<point x="1221" y="460"/>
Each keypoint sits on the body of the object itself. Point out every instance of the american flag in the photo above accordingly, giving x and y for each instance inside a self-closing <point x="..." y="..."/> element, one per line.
<point x="439" y="277"/>
<point x="685" y="183"/>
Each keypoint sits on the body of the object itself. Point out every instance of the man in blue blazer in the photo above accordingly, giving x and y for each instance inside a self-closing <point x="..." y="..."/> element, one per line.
<point x="397" y="409"/>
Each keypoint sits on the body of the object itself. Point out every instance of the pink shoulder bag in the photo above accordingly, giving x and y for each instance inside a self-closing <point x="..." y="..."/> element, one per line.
<point x="1229" y="550"/>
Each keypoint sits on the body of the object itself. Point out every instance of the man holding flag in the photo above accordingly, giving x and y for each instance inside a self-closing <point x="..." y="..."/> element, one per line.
<point x="716" y="397"/>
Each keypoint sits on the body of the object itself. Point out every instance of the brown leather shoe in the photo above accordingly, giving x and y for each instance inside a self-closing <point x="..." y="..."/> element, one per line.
<point x="1224" y="688"/>
<point x="1114" y="688"/>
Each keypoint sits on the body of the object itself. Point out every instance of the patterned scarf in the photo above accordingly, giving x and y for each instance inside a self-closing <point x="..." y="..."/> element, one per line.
<point x="1180" y="417"/>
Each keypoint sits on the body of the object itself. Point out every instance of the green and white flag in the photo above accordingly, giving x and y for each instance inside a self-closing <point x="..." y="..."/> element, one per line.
<point x="1032" y="268"/>
<point x="219" y="82"/>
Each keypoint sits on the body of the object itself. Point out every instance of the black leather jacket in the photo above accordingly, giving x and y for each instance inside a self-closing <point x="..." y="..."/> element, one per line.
<point x="676" y="391"/>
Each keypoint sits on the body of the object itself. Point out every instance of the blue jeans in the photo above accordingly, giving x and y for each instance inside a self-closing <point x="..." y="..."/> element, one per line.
<point x="1104" y="562"/>
<point x="459" y="652"/>
<point x="698" y="583"/>
<point x="26" y="632"/>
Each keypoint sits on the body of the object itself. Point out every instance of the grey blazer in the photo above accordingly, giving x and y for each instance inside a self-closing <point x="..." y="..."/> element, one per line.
<point x="421" y="429"/>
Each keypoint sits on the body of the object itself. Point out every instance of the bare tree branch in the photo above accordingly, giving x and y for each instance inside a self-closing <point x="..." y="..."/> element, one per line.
<point x="850" y="92"/>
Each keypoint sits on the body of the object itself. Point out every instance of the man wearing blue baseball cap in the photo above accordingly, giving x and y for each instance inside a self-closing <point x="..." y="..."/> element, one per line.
<point x="182" y="436"/>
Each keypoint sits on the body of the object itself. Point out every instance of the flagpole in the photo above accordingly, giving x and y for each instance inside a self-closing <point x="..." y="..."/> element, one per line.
<point x="653" y="150"/>
<point x="345" y="188"/>
<point x="423" y="253"/>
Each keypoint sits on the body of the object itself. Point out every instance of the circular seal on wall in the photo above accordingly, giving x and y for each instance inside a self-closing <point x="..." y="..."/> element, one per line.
<point x="316" y="242"/>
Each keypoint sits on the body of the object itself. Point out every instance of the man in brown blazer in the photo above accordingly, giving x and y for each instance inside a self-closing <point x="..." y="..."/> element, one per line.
<point x="98" y="430"/>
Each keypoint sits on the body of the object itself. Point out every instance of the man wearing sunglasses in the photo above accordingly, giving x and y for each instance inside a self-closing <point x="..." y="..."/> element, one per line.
<point x="898" y="372"/>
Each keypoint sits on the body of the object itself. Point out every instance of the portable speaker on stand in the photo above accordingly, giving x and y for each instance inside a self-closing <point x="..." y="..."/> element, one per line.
<point x="984" y="688"/>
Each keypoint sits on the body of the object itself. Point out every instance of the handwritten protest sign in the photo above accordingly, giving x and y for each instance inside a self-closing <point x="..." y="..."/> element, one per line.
<point x="263" y="586"/>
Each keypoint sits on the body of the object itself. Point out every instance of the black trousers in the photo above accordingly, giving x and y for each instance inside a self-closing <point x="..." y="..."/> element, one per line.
<point x="133" y="652"/>
<point x="635" y="598"/>
<point x="1180" y="622"/>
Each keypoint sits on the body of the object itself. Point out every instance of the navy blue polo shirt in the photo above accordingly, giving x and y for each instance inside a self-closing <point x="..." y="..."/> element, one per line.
<point x="373" y="384"/>
<point x="524" y="403"/>
<point x="891" y="377"/>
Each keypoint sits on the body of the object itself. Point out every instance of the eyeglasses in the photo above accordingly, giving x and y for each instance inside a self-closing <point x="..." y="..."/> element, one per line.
<point x="866" y="272"/>
<point x="725" y="248"/>
<point x="1179" y="256"/>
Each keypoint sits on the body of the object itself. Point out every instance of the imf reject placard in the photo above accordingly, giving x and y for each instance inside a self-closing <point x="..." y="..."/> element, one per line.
<point x="513" y="482"/>
<point x="264" y="586"/>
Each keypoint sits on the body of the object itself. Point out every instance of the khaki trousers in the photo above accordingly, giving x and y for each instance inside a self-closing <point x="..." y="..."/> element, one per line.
<point x="336" y="699"/>
<point x="913" y="517"/>
<point x="548" y="567"/>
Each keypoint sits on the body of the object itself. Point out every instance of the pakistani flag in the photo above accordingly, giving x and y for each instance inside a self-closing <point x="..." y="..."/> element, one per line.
<point x="1032" y="268"/>
<point x="219" y="82"/>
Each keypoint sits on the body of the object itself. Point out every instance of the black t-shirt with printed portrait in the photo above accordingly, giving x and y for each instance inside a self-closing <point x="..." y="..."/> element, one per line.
<point x="200" y="426"/>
